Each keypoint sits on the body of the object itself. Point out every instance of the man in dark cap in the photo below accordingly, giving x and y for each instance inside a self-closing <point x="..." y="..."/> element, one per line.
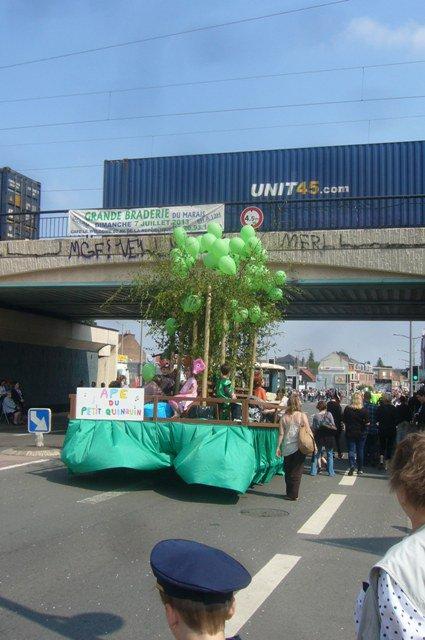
<point x="197" y="584"/>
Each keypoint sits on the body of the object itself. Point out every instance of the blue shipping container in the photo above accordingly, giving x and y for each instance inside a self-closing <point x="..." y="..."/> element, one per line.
<point x="340" y="187"/>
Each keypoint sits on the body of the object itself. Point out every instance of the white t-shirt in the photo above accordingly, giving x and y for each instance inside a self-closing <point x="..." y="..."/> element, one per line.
<point x="291" y="425"/>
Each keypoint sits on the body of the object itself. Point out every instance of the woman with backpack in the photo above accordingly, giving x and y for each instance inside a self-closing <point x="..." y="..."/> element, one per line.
<point x="324" y="430"/>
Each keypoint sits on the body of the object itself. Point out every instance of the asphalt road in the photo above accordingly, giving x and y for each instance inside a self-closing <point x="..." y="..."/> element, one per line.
<point x="74" y="550"/>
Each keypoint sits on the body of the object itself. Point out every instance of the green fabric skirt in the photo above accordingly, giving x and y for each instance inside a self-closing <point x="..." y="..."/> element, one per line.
<point x="223" y="456"/>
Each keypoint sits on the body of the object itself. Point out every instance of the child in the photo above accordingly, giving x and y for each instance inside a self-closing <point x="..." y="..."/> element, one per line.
<point x="196" y="584"/>
<point x="224" y="389"/>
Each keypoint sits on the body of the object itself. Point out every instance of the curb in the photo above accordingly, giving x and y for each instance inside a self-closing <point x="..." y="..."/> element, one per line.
<point x="34" y="452"/>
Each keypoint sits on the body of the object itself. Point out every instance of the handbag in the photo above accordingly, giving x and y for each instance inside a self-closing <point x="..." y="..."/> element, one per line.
<point x="326" y="423"/>
<point x="306" y="443"/>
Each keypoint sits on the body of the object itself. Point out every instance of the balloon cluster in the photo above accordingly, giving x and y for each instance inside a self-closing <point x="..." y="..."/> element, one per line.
<point x="243" y="254"/>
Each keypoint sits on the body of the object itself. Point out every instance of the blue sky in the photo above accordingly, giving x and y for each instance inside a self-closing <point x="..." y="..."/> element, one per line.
<point x="353" y="33"/>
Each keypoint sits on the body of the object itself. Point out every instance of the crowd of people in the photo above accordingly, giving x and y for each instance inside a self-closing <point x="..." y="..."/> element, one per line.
<point x="12" y="403"/>
<point x="371" y="432"/>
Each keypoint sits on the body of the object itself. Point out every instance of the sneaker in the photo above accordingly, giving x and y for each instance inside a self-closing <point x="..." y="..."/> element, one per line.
<point x="351" y="472"/>
<point x="360" y="472"/>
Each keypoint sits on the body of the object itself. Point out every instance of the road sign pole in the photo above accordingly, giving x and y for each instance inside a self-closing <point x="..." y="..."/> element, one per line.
<point x="39" y="440"/>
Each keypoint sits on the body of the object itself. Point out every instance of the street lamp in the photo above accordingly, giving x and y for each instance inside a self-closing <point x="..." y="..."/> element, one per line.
<point x="411" y="353"/>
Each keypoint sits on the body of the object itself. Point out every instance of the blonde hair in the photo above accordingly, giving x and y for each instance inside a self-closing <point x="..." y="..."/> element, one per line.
<point x="198" y="616"/>
<point x="356" y="400"/>
<point x="294" y="404"/>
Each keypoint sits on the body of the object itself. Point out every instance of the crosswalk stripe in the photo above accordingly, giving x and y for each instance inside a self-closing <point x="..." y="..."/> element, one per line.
<point x="347" y="481"/>
<point x="22" y="464"/>
<point x="320" y="518"/>
<point x="263" y="584"/>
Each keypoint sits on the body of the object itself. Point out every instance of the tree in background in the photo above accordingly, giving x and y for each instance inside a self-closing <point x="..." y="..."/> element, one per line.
<point x="312" y="364"/>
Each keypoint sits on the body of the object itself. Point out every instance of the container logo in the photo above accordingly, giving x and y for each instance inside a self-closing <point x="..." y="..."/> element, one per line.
<point x="253" y="216"/>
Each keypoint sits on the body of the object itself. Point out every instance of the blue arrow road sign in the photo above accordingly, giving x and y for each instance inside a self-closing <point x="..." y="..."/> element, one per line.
<point x="39" y="420"/>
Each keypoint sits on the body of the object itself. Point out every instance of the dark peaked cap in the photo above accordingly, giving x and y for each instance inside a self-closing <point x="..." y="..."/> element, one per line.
<point x="195" y="571"/>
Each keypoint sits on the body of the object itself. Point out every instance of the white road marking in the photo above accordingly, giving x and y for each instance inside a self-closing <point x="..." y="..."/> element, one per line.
<point x="263" y="584"/>
<point x="23" y="464"/>
<point x="101" y="497"/>
<point x="320" y="518"/>
<point x="348" y="481"/>
<point x="108" y="495"/>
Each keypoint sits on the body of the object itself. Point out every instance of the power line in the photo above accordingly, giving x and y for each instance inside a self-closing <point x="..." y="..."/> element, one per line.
<point x="202" y="131"/>
<point x="173" y="34"/>
<point x="193" y="83"/>
<point x="212" y="111"/>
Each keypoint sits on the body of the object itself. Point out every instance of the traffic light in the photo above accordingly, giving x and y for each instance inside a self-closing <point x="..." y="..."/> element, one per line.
<point x="415" y="373"/>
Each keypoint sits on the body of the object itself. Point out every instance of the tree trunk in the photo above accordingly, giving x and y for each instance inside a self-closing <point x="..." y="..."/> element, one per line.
<point x="253" y="361"/>
<point x="206" y="343"/>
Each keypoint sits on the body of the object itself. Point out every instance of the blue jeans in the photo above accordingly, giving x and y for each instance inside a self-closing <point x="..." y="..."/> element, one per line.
<point x="329" y="459"/>
<point x="356" y="450"/>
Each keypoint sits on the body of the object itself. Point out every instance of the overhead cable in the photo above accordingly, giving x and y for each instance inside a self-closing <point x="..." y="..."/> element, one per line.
<point x="171" y="35"/>
<point x="212" y="111"/>
<point x="193" y="83"/>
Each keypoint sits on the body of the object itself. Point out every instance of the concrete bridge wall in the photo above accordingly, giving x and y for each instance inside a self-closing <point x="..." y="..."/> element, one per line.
<point x="312" y="254"/>
<point x="49" y="357"/>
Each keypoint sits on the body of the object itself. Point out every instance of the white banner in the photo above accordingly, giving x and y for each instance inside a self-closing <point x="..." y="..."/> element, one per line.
<point x="110" y="404"/>
<point x="146" y="220"/>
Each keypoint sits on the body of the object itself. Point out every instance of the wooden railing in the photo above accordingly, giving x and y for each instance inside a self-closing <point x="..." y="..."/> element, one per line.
<point x="203" y="402"/>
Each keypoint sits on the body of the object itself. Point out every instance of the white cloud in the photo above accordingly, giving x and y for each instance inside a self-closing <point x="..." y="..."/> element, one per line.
<point x="411" y="35"/>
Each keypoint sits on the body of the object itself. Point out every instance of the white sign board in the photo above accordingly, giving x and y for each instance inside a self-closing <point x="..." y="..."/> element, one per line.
<point x="110" y="404"/>
<point x="145" y="221"/>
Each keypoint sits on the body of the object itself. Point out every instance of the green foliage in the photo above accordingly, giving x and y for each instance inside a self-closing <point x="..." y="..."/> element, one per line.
<point x="246" y="297"/>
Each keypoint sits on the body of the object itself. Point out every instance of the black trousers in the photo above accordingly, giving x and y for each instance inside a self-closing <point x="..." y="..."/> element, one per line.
<point x="386" y="443"/>
<point x="294" y="466"/>
<point x="338" y="439"/>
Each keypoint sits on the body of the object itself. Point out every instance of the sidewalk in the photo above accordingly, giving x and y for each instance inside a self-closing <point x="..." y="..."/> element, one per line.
<point x="17" y="445"/>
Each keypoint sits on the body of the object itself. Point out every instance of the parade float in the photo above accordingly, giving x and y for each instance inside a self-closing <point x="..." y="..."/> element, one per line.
<point x="210" y="301"/>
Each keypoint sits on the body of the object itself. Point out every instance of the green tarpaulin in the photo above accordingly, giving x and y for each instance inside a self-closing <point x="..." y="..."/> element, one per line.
<point x="216" y="455"/>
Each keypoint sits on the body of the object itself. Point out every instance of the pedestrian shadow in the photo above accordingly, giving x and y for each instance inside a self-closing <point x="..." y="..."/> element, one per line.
<point x="374" y="545"/>
<point x="83" y="626"/>
<point x="165" y="482"/>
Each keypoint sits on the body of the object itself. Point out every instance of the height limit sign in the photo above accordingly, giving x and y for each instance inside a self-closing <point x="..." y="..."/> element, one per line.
<point x="253" y="216"/>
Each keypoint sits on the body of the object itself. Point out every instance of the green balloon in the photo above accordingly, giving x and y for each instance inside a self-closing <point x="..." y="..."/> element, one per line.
<point x="275" y="294"/>
<point x="227" y="265"/>
<point x="192" y="246"/>
<point x="240" y="315"/>
<point x="176" y="254"/>
<point x="247" y="232"/>
<point x="192" y="303"/>
<point x="171" y="326"/>
<point x="180" y="266"/>
<point x="148" y="371"/>
<point x="210" y="261"/>
<point x="254" y="244"/>
<point x="180" y="235"/>
<point x="280" y="277"/>
<point x="254" y="314"/>
<point x="215" y="229"/>
<point x="220" y="247"/>
<point x="207" y="240"/>
<point x="237" y="246"/>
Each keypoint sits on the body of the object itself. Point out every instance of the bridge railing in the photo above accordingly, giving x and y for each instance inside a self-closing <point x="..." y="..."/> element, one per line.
<point x="306" y="213"/>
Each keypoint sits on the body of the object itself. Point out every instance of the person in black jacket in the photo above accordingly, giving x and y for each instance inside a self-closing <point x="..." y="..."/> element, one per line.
<point x="386" y="417"/>
<point x="356" y="420"/>
<point x="334" y="407"/>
